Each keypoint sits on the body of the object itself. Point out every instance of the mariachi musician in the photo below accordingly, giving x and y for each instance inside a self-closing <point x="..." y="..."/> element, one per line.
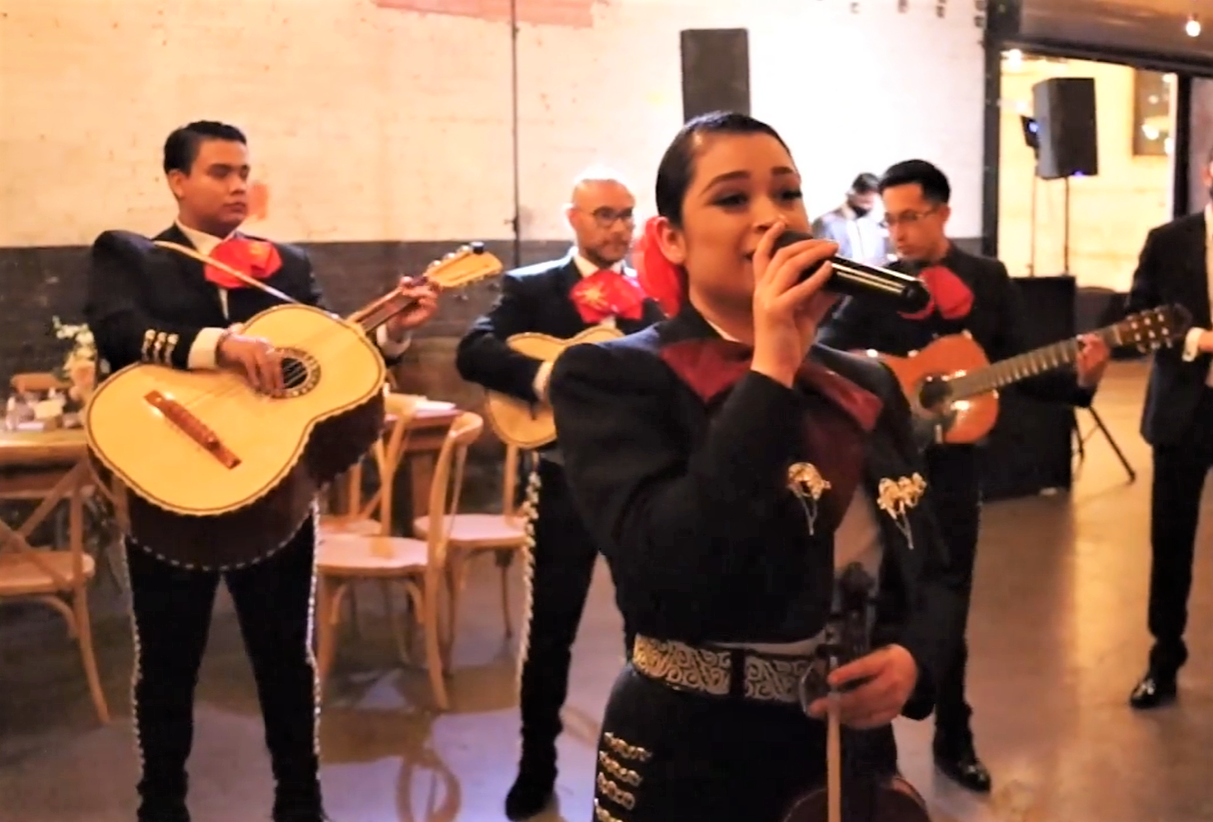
<point x="589" y="286"/>
<point x="973" y="294"/>
<point x="727" y="467"/>
<point x="151" y="305"/>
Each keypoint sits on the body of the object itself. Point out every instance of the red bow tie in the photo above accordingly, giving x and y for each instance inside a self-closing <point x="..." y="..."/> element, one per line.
<point x="709" y="367"/>
<point x="949" y="295"/>
<point x="607" y="293"/>
<point x="257" y="259"/>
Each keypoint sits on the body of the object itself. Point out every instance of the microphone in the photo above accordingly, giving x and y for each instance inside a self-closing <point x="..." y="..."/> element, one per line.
<point x="852" y="279"/>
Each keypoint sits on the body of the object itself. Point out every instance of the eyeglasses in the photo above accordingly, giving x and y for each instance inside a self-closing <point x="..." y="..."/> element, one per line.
<point x="906" y="218"/>
<point x="607" y="217"/>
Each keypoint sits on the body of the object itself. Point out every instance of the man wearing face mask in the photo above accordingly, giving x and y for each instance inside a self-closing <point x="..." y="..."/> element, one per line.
<point x="855" y="226"/>
<point x="1176" y="266"/>
<point x="969" y="294"/>
<point x="588" y="286"/>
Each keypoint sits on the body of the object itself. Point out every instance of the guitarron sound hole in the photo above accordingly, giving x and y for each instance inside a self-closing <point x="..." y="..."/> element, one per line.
<point x="300" y="372"/>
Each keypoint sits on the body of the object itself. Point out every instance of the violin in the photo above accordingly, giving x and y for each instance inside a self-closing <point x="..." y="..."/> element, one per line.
<point x="887" y="798"/>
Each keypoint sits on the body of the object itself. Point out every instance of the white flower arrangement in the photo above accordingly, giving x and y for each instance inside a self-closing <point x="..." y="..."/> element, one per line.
<point x="83" y="345"/>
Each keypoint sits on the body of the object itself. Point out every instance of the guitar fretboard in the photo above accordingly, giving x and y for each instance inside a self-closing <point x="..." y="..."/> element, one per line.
<point x="1023" y="366"/>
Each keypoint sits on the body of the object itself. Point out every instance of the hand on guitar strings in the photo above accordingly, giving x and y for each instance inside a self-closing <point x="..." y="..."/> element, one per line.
<point x="1093" y="357"/>
<point x="890" y="673"/>
<point x="262" y="365"/>
<point x="417" y="314"/>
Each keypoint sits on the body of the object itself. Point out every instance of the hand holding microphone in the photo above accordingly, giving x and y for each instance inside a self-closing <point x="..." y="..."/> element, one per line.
<point x="788" y="302"/>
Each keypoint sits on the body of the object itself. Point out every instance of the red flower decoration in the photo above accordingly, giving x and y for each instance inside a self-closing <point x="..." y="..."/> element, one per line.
<point x="949" y="295"/>
<point x="607" y="294"/>
<point x="255" y="258"/>
<point x="660" y="278"/>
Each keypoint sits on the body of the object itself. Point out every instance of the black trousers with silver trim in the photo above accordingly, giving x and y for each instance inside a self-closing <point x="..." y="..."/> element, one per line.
<point x="564" y="556"/>
<point x="172" y="615"/>
<point x="668" y="754"/>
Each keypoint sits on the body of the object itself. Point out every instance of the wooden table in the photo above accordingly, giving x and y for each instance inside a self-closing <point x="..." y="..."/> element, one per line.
<point x="50" y="466"/>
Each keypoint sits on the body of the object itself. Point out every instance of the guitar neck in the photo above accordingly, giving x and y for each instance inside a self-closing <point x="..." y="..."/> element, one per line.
<point x="1023" y="366"/>
<point x="377" y="313"/>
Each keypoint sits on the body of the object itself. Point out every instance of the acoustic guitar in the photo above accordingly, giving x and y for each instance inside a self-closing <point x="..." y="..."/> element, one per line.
<point x="533" y="425"/>
<point x="951" y="382"/>
<point x="221" y="474"/>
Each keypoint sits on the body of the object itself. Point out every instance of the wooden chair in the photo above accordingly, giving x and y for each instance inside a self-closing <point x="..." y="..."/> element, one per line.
<point x="418" y="565"/>
<point x="58" y="579"/>
<point x="374" y="516"/>
<point x="472" y="535"/>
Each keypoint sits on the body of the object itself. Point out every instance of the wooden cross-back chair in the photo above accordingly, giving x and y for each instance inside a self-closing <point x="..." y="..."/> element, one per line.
<point x="418" y="565"/>
<point x="58" y="579"/>
<point x="473" y="535"/>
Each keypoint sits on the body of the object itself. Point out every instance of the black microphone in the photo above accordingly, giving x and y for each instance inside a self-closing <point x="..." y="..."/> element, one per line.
<point x="852" y="279"/>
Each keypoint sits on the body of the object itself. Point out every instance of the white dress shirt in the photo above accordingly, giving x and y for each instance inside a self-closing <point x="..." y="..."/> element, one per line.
<point x="586" y="269"/>
<point x="1192" y="340"/>
<point x="204" y="353"/>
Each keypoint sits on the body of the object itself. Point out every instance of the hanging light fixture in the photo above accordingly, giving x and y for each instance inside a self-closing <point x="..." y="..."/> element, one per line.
<point x="979" y="15"/>
<point x="854" y="6"/>
<point x="1192" y="27"/>
<point x="903" y="6"/>
<point x="941" y="8"/>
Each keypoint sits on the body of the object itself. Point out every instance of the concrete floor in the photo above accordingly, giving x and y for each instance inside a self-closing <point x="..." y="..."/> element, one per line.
<point x="1058" y="632"/>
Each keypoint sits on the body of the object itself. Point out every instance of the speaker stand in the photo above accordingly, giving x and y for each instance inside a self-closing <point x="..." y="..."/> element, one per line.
<point x="1032" y="232"/>
<point x="1065" y="236"/>
<point x="1080" y="441"/>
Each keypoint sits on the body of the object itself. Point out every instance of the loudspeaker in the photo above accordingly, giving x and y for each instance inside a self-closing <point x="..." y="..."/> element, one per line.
<point x="1031" y="447"/>
<point x="715" y="71"/>
<point x="1065" y="114"/>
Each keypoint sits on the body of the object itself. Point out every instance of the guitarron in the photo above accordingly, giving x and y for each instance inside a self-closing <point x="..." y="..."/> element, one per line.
<point x="952" y="383"/>
<point x="530" y="425"/>
<point x="219" y="474"/>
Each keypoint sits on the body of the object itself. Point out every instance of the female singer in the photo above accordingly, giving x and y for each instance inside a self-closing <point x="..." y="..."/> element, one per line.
<point x="727" y="467"/>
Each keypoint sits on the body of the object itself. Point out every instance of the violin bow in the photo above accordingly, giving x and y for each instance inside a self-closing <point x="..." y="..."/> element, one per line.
<point x="833" y="751"/>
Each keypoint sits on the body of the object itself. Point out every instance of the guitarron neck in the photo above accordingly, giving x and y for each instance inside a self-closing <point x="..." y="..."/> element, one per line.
<point x="372" y="316"/>
<point x="1023" y="366"/>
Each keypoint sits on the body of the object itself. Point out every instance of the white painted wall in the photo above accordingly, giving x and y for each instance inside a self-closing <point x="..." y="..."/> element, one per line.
<point x="1110" y="214"/>
<point x="373" y="123"/>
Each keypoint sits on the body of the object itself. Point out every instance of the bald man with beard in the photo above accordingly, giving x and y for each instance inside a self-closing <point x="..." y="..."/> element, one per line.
<point x="554" y="298"/>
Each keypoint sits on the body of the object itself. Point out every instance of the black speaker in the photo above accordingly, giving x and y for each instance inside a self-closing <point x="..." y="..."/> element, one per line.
<point x="1031" y="447"/>
<point x="1065" y="116"/>
<point x="715" y="71"/>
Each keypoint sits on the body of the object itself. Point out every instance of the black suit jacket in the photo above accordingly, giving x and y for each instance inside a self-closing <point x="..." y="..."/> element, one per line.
<point x="996" y="322"/>
<point x="534" y="299"/>
<point x="689" y="502"/>
<point x="147" y="304"/>
<point x="1173" y="269"/>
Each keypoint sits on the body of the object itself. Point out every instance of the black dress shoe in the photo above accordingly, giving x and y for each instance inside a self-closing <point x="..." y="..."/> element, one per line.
<point x="532" y="791"/>
<point x="961" y="765"/>
<point x="301" y="816"/>
<point x="1155" y="688"/>
<point x="166" y="812"/>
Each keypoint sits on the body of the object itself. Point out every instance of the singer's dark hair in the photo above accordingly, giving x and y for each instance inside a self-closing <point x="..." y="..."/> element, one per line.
<point x="677" y="167"/>
<point x="181" y="147"/>
<point x="934" y="183"/>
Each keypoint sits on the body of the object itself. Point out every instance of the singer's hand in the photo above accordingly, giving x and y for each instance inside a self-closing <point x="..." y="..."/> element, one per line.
<point x="786" y="311"/>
